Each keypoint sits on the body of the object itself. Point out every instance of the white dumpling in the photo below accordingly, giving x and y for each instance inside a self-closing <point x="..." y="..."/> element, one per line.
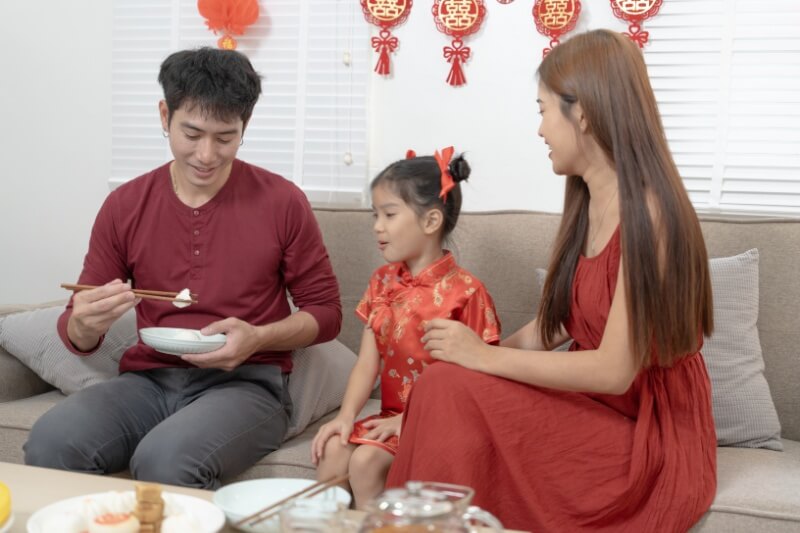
<point x="185" y="294"/>
<point x="186" y="335"/>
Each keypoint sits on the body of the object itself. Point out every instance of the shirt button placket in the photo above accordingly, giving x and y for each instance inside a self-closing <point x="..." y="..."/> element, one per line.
<point x="196" y="245"/>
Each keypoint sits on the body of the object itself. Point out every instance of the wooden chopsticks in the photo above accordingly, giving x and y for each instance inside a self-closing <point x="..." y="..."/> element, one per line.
<point x="272" y="509"/>
<point x="141" y="293"/>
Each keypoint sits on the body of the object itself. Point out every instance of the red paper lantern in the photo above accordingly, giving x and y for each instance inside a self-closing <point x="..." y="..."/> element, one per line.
<point x="228" y="17"/>
<point x="554" y="18"/>
<point x="636" y="11"/>
<point x="385" y="14"/>
<point x="458" y="18"/>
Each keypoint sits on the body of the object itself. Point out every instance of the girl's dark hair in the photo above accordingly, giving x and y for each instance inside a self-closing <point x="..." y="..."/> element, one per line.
<point x="222" y="82"/>
<point x="418" y="182"/>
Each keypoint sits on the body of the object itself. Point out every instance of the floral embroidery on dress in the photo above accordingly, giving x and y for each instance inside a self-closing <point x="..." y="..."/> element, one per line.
<point x="397" y="305"/>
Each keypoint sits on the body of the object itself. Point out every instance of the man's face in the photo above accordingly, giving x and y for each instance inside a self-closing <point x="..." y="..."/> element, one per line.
<point x="204" y="148"/>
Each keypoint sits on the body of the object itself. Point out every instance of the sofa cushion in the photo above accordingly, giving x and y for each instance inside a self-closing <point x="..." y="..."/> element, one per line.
<point x="293" y="458"/>
<point x="744" y="414"/>
<point x="316" y="385"/>
<point x="756" y="488"/>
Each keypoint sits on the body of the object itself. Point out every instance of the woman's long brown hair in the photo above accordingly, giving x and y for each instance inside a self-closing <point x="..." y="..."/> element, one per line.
<point x="667" y="282"/>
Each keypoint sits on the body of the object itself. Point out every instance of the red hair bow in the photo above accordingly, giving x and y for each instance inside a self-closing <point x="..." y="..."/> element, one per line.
<point x="443" y="160"/>
<point x="411" y="154"/>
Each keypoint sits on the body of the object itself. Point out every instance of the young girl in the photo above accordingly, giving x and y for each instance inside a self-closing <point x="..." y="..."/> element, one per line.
<point x="416" y="203"/>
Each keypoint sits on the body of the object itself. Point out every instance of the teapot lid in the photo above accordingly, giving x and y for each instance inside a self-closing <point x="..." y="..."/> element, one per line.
<point x="421" y="500"/>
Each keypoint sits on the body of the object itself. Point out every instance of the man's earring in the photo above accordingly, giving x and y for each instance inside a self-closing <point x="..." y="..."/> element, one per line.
<point x="241" y="142"/>
<point x="165" y="133"/>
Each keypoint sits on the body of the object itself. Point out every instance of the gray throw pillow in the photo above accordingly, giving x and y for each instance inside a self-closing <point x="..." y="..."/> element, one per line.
<point x="32" y="338"/>
<point x="744" y="413"/>
<point x="316" y="385"/>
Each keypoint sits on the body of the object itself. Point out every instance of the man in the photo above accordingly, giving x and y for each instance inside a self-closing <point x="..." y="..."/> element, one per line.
<point x="236" y="235"/>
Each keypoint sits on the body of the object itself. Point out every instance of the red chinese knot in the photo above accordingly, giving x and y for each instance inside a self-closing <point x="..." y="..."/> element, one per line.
<point x="634" y="12"/>
<point x="458" y="18"/>
<point x="385" y="14"/>
<point x="554" y="18"/>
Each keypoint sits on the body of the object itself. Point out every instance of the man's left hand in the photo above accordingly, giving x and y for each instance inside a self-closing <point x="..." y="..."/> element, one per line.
<point x="242" y="341"/>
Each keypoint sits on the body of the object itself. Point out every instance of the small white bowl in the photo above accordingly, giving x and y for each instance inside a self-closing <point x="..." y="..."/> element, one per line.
<point x="244" y="498"/>
<point x="180" y="341"/>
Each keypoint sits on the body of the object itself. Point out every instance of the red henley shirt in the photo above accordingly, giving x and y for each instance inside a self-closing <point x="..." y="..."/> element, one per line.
<point x="239" y="253"/>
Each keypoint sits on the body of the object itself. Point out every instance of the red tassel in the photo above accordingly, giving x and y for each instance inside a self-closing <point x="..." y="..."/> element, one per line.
<point x="456" y="76"/>
<point x="384" y="44"/>
<point x="456" y="55"/>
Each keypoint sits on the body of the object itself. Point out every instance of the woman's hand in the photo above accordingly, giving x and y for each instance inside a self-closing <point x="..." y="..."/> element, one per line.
<point x="383" y="428"/>
<point x="452" y="341"/>
<point x="341" y="426"/>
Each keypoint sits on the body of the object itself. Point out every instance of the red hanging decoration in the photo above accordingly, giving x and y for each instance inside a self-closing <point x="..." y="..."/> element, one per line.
<point x="554" y="18"/>
<point x="385" y="14"/>
<point x="458" y="18"/>
<point x="636" y="11"/>
<point x="228" y="17"/>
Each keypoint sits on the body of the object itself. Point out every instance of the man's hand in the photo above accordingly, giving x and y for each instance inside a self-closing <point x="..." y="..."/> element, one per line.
<point x="243" y="340"/>
<point x="95" y="310"/>
<point x="383" y="428"/>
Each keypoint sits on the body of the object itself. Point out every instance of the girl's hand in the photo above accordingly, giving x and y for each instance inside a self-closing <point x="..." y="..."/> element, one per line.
<point x="340" y="425"/>
<point x="383" y="428"/>
<point x="452" y="341"/>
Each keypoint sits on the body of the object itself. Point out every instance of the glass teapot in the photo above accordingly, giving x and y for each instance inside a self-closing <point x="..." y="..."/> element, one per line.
<point x="426" y="507"/>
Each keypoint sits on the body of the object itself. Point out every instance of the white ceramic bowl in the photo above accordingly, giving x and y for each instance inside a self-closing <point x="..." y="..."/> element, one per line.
<point x="180" y="341"/>
<point x="244" y="498"/>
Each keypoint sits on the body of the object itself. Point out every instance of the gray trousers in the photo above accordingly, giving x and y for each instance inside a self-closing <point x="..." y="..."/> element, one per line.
<point x="189" y="427"/>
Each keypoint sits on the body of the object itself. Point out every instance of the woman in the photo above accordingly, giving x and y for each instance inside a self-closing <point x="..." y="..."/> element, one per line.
<point x="617" y="434"/>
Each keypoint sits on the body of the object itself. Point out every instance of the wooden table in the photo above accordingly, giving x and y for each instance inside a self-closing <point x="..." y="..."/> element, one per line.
<point x="33" y="488"/>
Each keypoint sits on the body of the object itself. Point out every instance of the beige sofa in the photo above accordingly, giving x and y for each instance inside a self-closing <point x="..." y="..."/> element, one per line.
<point x="759" y="490"/>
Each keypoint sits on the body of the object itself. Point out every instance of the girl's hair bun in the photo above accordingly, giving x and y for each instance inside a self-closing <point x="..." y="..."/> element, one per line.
<point x="459" y="168"/>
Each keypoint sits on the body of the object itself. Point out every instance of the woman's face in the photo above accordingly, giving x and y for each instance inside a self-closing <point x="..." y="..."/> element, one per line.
<point x="560" y="134"/>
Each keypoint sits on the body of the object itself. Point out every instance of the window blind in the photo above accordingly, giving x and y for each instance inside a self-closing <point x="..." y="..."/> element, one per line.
<point x="310" y="124"/>
<point x="726" y="74"/>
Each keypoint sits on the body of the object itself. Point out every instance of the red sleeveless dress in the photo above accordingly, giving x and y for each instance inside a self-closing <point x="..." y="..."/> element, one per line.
<point x="553" y="461"/>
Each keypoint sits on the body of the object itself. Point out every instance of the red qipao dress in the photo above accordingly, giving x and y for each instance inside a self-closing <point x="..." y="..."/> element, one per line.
<point x="554" y="461"/>
<point x="396" y="306"/>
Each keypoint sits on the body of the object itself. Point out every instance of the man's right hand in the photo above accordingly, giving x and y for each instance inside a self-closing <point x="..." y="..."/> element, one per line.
<point x="95" y="310"/>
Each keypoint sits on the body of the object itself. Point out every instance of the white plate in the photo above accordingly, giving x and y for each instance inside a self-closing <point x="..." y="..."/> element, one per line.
<point x="246" y="497"/>
<point x="179" y="341"/>
<point x="207" y="515"/>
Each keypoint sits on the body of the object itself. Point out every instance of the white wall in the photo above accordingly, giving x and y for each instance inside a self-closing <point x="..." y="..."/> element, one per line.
<point x="493" y="118"/>
<point x="55" y="143"/>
